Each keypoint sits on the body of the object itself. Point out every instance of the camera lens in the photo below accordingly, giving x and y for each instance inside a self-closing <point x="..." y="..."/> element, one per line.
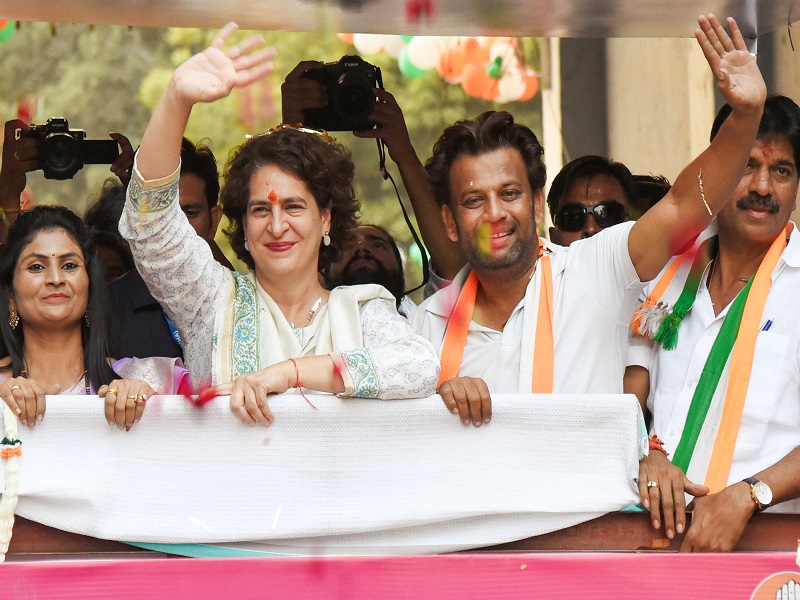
<point x="60" y="155"/>
<point x="355" y="98"/>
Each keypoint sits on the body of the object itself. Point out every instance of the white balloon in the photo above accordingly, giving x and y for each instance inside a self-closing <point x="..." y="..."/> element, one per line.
<point x="504" y="50"/>
<point x="367" y="43"/>
<point x="511" y="86"/>
<point x="393" y="45"/>
<point x="424" y="52"/>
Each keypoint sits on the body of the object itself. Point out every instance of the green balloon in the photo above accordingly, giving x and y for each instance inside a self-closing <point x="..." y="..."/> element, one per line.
<point x="407" y="68"/>
<point x="495" y="69"/>
<point x="7" y="31"/>
<point x="415" y="255"/>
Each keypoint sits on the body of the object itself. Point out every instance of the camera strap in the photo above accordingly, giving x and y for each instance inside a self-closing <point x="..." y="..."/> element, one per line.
<point x="422" y="251"/>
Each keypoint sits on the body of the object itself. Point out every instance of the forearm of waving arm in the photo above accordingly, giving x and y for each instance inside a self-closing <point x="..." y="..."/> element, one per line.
<point x="685" y="211"/>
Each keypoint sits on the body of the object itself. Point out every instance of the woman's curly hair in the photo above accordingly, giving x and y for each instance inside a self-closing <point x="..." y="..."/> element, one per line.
<point x="326" y="168"/>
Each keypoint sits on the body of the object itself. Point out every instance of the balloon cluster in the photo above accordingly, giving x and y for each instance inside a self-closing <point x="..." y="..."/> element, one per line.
<point x="7" y="29"/>
<point x="489" y="68"/>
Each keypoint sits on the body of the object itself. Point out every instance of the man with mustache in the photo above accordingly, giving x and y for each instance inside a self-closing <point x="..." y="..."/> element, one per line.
<point x="724" y="361"/>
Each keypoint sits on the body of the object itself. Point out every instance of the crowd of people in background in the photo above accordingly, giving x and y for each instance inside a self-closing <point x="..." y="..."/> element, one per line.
<point x="680" y="294"/>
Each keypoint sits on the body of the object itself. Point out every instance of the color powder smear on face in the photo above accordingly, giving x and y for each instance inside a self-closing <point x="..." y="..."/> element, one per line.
<point x="483" y="239"/>
<point x="273" y="197"/>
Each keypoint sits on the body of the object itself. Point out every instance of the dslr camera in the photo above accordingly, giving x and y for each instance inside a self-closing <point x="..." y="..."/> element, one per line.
<point x="64" y="151"/>
<point x="349" y="83"/>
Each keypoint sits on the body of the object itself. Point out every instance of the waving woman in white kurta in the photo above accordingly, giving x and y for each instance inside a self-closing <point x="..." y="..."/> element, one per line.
<point x="288" y="194"/>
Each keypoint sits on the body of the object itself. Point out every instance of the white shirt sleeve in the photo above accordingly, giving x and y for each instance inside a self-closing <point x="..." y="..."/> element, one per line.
<point x="605" y="265"/>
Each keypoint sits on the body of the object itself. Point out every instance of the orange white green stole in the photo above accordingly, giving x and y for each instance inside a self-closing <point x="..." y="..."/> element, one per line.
<point x="455" y="337"/>
<point x="738" y="334"/>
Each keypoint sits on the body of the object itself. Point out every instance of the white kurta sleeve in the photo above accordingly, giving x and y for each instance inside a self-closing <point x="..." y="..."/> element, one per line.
<point x="176" y="264"/>
<point x="395" y="362"/>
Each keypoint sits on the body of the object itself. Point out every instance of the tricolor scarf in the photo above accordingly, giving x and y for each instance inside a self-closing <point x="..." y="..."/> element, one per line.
<point x="541" y="373"/>
<point x="739" y="328"/>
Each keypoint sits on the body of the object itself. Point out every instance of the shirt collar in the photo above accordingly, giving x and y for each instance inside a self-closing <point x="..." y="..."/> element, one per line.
<point x="791" y="254"/>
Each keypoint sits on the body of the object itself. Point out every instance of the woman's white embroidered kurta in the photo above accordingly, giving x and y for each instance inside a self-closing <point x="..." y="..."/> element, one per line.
<point x="212" y="307"/>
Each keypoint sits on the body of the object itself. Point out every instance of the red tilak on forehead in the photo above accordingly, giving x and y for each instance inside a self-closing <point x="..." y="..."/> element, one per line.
<point x="767" y="150"/>
<point x="273" y="197"/>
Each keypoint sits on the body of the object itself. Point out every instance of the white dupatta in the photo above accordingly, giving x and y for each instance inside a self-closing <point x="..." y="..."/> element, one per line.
<point x="251" y="333"/>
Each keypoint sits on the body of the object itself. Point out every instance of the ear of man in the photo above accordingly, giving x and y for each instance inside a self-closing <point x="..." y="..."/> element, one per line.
<point x="449" y="223"/>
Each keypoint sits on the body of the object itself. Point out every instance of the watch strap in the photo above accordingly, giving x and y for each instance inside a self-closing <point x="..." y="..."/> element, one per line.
<point x="752" y="481"/>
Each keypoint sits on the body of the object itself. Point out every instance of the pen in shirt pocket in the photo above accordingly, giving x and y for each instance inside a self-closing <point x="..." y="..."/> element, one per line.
<point x="766" y="326"/>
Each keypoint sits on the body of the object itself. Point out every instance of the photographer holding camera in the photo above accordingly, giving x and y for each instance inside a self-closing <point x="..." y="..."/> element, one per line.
<point x="303" y="93"/>
<point x="22" y="153"/>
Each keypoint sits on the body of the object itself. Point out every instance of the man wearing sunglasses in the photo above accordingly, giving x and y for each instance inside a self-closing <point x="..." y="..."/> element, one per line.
<point x="588" y="195"/>
<point x="521" y="317"/>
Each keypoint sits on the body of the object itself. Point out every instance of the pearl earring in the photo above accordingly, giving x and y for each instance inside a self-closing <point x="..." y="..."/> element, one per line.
<point x="326" y="239"/>
<point x="246" y="247"/>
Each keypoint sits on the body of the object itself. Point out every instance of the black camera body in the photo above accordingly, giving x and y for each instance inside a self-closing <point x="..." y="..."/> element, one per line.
<point x="64" y="151"/>
<point x="349" y="83"/>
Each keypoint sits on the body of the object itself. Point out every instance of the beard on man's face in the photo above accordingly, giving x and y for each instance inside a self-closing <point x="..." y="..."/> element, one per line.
<point x="371" y="271"/>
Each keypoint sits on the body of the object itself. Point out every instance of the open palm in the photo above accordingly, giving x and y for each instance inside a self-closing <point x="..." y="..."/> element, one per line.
<point x="738" y="77"/>
<point x="214" y="72"/>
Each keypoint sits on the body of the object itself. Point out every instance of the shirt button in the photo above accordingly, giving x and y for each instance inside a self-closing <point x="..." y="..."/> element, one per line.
<point x="709" y="333"/>
<point x="690" y="383"/>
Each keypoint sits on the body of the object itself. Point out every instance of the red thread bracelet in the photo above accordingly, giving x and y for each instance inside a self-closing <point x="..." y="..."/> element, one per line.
<point x="299" y="384"/>
<point x="656" y="444"/>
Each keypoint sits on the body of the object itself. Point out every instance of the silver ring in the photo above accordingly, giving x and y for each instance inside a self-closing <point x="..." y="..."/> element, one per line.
<point x="652" y="484"/>
<point x="16" y="387"/>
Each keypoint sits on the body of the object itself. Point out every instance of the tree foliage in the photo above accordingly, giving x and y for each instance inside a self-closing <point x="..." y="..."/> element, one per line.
<point x="91" y="76"/>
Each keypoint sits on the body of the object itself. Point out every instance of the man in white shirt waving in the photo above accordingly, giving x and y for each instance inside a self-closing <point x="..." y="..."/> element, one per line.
<point x="512" y="326"/>
<point x="725" y="381"/>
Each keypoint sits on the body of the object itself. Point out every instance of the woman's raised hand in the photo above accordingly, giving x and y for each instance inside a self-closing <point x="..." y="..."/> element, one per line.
<point x="735" y="70"/>
<point x="214" y="72"/>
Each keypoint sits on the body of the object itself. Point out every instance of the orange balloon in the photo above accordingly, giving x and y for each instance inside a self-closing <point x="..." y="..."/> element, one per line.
<point x="492" y="90"/>
<point x="451" y="64"/>
<point x="531" y="87"/>
<point x="475" y="81"/>
<point x="347" y="38"/>
<point x="474" y="52"/>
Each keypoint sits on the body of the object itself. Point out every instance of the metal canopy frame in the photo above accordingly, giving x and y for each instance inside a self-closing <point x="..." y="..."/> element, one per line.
<point x="547" y="18"/>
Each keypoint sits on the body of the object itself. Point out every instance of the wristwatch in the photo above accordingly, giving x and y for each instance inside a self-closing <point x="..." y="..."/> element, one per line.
<point x="760" y="492"/>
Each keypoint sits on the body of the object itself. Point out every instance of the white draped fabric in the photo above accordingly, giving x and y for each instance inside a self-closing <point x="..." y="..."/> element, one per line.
<point x="354" y="476"/>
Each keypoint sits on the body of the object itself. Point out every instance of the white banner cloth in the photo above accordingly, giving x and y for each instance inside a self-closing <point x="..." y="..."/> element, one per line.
<point x="353" y="476"/>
